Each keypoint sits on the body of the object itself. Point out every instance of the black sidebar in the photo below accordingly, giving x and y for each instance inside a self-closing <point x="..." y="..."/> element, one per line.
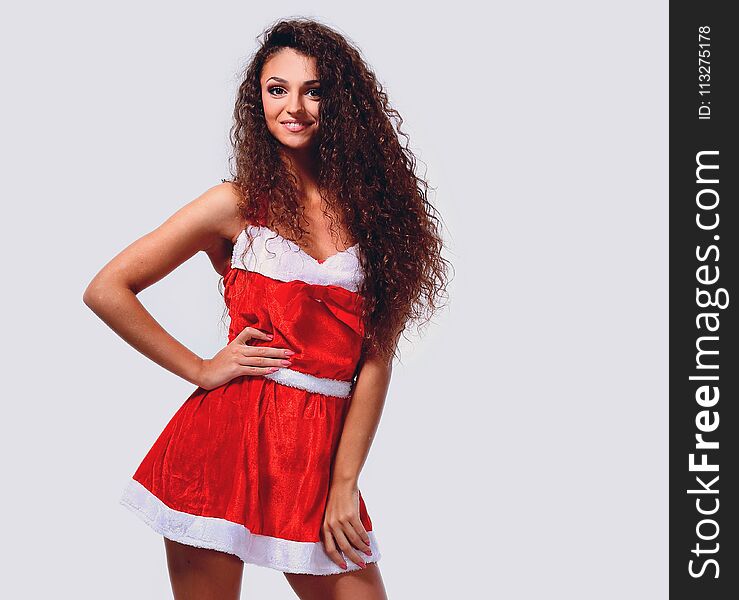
<point x="704" y="227"/>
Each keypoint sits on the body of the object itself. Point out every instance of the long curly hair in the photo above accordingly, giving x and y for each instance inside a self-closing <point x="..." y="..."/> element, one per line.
<point x="366" y="178"/>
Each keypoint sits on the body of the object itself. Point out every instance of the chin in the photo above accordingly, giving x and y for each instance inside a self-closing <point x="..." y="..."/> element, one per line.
<point x="294" y="144"/>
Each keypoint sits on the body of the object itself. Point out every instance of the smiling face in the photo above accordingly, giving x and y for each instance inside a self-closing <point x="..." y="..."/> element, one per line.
<point x="290" y="97"/>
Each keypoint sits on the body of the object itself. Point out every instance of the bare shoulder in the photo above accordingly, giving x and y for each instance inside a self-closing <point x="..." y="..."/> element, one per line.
<point x="220" y="204"/>
<point x="209" y="223"/>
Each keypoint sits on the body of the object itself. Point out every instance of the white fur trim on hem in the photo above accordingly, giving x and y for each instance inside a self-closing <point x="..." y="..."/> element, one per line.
<point x="226" y="536"/>
<point x="311" y="383"/>
<point x="279" y="258"/>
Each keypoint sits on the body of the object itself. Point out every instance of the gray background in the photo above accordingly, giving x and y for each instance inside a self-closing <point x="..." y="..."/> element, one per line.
<point x="523" y="449"/>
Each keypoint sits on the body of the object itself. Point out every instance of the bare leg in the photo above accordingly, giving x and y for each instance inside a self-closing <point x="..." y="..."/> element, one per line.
<point x="203" y="574"/>
<point x="362" y="584"/>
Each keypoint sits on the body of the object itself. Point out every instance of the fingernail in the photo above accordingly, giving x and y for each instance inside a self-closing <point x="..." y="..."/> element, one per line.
<point x="287" y="363"/>
<point x="362" y="565"/>
<point x="368" y="552"/>
<point x="289" y="352"/>
<point x="343" y="565"/>
<point x="273" y="369"/>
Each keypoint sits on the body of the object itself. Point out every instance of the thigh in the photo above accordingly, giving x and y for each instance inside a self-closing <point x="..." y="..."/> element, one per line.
<point x="362" y="584"/>
<point x="202" y="574"/>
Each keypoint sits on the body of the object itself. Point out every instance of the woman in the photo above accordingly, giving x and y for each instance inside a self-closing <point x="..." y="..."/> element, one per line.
<point x="328" y="247"/>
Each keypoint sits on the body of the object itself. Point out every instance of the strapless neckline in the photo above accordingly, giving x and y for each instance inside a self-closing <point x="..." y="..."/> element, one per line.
<point x="350" y="250"/>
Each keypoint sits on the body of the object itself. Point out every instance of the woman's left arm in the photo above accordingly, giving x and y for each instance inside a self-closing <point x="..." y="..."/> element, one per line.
<point x="341" y="524"/>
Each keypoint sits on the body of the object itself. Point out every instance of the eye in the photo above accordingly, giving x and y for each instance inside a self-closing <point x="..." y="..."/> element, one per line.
<point x="272" y="89"/>
<point x="317" y="92"/>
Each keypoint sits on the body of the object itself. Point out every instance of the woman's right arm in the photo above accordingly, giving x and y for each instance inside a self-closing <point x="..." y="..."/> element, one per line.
<point x="202" y="224"/>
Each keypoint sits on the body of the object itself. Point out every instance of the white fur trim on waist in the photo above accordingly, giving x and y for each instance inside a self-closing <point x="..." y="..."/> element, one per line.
<point x="311" y="383"/>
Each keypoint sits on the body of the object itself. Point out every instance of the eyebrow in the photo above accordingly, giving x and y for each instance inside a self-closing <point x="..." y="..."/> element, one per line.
<point x="281" y="80"/>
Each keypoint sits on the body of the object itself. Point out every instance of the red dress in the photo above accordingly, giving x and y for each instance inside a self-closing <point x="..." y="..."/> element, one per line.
<point x="245" y="468"/>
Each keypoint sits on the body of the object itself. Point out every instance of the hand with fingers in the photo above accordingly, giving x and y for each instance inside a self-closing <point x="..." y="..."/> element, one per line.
<point x="239" y="358"/>
<point x="342" y="528"/>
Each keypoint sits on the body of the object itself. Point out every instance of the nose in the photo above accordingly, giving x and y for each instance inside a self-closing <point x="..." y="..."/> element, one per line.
<point x="295" y="104"/>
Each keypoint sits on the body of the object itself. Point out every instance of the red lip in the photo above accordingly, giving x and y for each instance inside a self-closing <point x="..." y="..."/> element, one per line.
<point x="302" y="126"/>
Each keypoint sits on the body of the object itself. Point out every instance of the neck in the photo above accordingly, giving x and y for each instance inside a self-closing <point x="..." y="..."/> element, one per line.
<point x="304" y="165"/>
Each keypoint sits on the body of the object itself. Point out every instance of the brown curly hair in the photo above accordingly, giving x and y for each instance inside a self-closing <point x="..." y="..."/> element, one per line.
<point x="374" y="189"/>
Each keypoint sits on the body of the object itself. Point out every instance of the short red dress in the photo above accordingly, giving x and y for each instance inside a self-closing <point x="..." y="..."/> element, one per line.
<point x="245" y="468"/>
